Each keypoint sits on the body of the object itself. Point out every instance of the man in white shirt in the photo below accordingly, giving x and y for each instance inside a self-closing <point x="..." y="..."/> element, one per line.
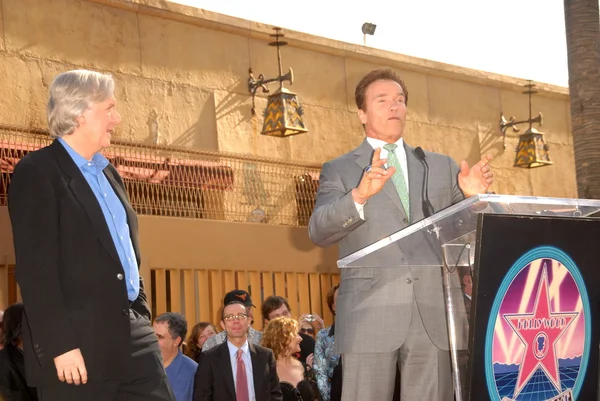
<point x="237" y="370"/>
<point x="254" y="336"/>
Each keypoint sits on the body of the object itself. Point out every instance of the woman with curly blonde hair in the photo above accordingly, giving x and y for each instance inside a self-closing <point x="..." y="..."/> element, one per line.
<point x="297" y="379"/>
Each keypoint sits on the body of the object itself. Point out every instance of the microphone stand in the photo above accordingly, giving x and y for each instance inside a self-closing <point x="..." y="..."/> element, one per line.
<point x="428" y="211"/>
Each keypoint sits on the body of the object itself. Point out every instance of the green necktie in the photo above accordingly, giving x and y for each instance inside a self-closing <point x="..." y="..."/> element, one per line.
<point x="398" y="177"/>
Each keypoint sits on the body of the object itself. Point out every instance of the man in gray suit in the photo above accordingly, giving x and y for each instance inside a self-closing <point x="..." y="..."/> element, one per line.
<point x="389" y="315"/>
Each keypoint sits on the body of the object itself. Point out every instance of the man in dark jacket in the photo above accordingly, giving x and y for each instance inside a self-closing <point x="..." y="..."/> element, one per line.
<point x="237" y="370"/>
<point x="87" y="333"/>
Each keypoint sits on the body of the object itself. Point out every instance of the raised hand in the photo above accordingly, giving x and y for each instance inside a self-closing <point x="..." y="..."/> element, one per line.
<point x="373" y="179"/>
<point x="475" y="180"/>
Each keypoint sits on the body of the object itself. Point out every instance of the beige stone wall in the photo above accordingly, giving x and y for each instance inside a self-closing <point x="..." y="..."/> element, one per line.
<point x="188" y="67"/>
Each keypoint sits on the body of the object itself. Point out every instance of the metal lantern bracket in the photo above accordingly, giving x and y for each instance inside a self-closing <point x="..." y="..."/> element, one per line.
<point x="532" y="150"/>
<point x="283" y="114"/>
<point x="262" y="82"/>
<point x="511" y="123"/>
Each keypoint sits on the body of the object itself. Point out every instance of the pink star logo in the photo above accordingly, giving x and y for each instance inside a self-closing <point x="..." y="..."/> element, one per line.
<point x="539" y="331"/>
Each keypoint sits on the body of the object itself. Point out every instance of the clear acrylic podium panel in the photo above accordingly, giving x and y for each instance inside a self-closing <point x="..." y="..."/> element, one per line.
<point x="454" y="227"/>
<point x="448" y="239"/>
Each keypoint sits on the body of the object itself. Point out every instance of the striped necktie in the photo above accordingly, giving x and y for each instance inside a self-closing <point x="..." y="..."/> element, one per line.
<point x="241" y="380"/>
<point x="398" y="177"/>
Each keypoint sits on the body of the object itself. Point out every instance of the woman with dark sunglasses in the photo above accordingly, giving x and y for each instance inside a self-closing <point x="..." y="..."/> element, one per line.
<point x="310" y="324"/>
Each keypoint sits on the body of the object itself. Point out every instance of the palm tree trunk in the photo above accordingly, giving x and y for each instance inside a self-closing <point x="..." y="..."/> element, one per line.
<point x="582" y="22"/>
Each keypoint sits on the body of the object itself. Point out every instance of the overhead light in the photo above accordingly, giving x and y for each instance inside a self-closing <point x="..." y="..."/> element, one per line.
<point x="283" y="115"/>
<point x="532" y="150"/>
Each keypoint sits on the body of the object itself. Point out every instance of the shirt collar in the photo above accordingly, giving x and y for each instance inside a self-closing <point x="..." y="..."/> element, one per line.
<point x="233" y="349"/>
<point x="378" y="143"/>
<point x="98" y="160"/>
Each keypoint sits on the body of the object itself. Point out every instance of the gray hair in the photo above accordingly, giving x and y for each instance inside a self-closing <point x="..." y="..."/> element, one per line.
<point x="72" y="93"/>
<point x="176" y="323"/>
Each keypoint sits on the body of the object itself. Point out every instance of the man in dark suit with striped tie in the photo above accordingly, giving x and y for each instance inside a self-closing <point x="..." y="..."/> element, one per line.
<point x="237" y="370"/>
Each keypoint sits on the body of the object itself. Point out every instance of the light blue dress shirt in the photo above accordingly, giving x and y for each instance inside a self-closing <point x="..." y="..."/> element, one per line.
<point x="247" y="361"/>
<point x="114" y="214"/>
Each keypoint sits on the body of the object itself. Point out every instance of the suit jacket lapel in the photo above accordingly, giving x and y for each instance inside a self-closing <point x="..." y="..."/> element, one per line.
<point x="256" y="368"/>
<point x="416" y="172"/>
<point x="390" y="190"/>
<point x="226" y="369"/>
<point x="109" y="173"/>
<point x="364" y="154"/>
<point x="86" y="198"/>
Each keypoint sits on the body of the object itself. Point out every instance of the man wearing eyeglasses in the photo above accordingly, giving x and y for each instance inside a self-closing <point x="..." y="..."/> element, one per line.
<point x="254" y="336"/>
<point x="237" y="370"/>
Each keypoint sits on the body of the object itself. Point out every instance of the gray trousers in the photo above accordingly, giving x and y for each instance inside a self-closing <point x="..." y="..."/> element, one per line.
<point x="425" y="371"/>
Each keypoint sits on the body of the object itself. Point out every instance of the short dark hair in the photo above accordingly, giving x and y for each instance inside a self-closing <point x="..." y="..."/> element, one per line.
<point x="272" y="303"/>
<point x="380" y="74"/>
<point x="11" y="324"/>
<point x="330" y="296"/>
<point x="231" y="303"/>
<point x="176" y="322"/>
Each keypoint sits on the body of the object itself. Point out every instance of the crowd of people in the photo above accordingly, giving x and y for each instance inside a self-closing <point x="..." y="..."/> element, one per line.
<point x="284" y="362"/>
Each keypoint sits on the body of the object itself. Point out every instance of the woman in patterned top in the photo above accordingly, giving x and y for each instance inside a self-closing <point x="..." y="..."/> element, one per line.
<point x="325" y="359"/>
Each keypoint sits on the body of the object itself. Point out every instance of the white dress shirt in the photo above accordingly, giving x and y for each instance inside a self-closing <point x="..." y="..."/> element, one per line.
<point x="400" y="153"/>
<point x="247" y="361"/>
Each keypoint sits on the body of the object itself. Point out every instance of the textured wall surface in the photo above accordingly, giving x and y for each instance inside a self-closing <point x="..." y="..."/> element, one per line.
<point x="187" y="69"/>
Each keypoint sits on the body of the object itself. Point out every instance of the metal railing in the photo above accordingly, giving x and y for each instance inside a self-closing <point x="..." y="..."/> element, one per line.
<point x="179" y="182"/>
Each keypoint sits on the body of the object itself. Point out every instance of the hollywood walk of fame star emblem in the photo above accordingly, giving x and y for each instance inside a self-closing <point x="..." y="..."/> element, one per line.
<point x="539" y="331"/>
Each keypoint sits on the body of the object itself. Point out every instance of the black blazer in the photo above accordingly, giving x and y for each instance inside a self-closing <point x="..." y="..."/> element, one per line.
<point x="214" y="377"/>
<point x="68" y="269"/>
<point x="13" y="386"/>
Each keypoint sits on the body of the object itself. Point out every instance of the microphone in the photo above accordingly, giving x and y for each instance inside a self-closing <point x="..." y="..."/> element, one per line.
<point x="426" y="204"/>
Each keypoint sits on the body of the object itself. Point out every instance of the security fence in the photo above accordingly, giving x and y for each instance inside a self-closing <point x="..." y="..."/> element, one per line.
<point x="179" y="182"/>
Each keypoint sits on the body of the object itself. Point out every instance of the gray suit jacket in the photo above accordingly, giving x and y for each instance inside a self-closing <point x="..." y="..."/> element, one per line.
<point x="374" y="304"/>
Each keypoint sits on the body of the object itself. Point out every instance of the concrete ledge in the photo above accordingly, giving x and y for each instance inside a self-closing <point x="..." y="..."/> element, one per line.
<point x="259" y="31"/>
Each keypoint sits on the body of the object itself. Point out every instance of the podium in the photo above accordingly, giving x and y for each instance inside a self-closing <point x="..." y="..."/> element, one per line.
<point x="521" y="292"/>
